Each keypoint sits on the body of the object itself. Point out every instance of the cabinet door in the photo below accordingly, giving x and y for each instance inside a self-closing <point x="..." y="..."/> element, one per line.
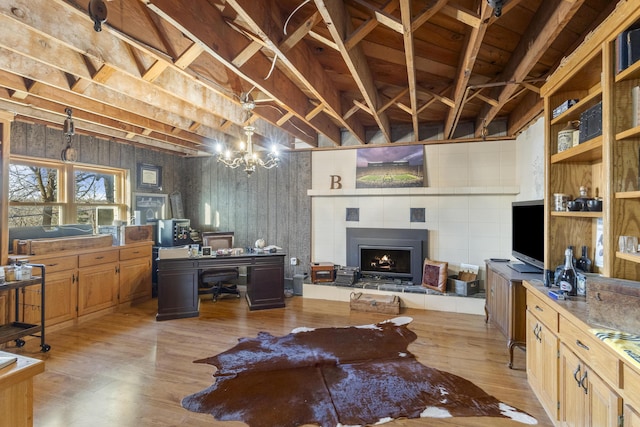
<point x="586" y="400"/>
<point x="60" y="299"/>
<point x="573" y="389"/>
<point x="177" y="294"/>
<point x="631" y="417"/>
<point x="135" y="279"/>
<point x="498" y="297"/>
<point x="97" y="288"/>
<point x="542" y="364"/>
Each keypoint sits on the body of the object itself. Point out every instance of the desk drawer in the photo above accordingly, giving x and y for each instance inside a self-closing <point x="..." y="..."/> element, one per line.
<point x="104" y="257"/>
<point x="137" y="252"/>
<point x="591" y="350"/>
<point x="543" y="311"/>
<point x="631" y="386"/>
<point x="56" y="264"/>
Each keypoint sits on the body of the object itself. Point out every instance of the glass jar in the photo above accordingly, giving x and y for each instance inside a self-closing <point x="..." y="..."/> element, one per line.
<point x="27" y="272"/>
<point x="2" y="279"/>
<point x="565" y="137"/>
<point x="10" y="273"/>
<point x="560" y="201"/>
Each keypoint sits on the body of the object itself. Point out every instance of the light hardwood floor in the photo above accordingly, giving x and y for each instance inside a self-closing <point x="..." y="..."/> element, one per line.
<point x="127" y="369"/>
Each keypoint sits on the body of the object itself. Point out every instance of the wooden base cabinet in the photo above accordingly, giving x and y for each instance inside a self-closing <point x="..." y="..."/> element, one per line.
<point x="579" y="380"/>
<point x="97" y="281"/>
<point x="505" y="303"/>
<point x="135" y="274"/>
<point x="542" y="364"/>
<point x="585" y="399"/>
<point x="542" y="353"/>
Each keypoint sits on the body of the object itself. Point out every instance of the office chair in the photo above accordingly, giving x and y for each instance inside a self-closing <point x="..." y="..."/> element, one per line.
<point x="213" y="281"/>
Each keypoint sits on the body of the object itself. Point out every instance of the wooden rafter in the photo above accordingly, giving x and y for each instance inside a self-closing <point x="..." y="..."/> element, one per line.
<point x="334" y="13"/>
<point x="547" y="24"/>
<point x="300" y="61"/>
<point x="223" y="43"/>
<point x="474" y="39"/>
<point x="409" y="53"/>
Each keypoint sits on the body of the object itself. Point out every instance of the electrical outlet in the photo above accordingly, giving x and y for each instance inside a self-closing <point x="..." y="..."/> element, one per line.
<point x="294" y="261"/>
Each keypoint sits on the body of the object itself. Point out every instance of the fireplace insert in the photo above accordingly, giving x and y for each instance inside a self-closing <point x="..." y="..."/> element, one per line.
<point x="387" y="252"/>
<point x="386" y="261"/>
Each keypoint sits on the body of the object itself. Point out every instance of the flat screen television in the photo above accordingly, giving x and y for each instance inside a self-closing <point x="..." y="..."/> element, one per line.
<point x="527" y="236"/>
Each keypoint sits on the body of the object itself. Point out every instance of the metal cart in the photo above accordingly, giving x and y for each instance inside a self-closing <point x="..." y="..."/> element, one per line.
<point x="14" y="331"/>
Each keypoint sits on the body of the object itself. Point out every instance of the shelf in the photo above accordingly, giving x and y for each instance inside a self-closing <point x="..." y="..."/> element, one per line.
<point x="573" y="113"/>
<point x="15" y="330"/>
<point x="629" y="257"/>
<point x="628" y="195"/>
<point x="577" y="214"/>
<point x="628" y="134"/>
<point x="588" y="151"/>
<point x="631" y="72"/>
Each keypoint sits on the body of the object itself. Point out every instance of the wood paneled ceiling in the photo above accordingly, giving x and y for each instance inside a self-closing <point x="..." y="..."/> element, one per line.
<point x="324" y="73"/>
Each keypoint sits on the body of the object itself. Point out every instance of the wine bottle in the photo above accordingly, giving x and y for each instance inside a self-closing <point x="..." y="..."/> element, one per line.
<point x="567" y="279"/>
<point x="584" y="263"/>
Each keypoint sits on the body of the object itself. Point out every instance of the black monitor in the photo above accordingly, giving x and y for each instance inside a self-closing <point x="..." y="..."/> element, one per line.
<point x="527" y="236"/>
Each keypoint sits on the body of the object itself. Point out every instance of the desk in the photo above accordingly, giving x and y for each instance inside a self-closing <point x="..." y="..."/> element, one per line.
<point x="16" y="391"/>
<point x="178" y="282"/>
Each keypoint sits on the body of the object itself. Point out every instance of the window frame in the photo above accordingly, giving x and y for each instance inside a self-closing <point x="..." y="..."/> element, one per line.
<point x="66" y="187"/>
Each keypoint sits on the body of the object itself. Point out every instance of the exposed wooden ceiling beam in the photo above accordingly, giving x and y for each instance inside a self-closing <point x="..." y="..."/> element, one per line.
<point x="427" y="13"/>
<point x="409" y="53"/>
<point x="467" y="61"/>
<point x="223" y="43"/>
<point x="300" y="61"/>
<point x="337" y="19"/>
<point x="547" y="24"/>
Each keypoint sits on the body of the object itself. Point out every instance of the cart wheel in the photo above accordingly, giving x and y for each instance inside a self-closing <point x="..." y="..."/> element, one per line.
<point x="45" y="348"/>
<point x="238" y="296"/>
<point x="19" y="342"/>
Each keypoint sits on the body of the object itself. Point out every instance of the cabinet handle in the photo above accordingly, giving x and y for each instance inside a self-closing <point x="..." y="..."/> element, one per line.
<point x="598" y="297"/>
<point x="52" y="265"/>
<point x="575" y="375"/>
<point x="539" y="308"/>
<point x="136" y="252"/>
<point x="583" y="383"/>
<point x="581" y="345"/>
<point x="99" y="257"/>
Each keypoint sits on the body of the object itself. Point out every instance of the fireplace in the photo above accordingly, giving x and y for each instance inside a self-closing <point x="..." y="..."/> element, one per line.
<point x="387" y="252"/>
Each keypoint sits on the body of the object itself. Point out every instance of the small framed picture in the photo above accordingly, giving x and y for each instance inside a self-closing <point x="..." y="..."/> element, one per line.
<point x="206" y="251"/>
<point x="149" y="176"/>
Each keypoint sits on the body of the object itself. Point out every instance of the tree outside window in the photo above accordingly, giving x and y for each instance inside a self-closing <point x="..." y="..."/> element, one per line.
<point x="38" y="194"/>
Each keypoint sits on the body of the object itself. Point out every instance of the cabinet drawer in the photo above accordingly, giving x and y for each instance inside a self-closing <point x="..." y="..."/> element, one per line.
<point x="54" y="265"/>
<point x="588" y="348"/>
<point x="543" y="311"/>
<point x="137" y="252"/>
<point x="104" y="257"/>
<point x="631" y="386"/>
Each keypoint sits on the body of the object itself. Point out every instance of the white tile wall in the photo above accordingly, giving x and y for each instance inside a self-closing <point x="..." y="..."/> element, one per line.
<point x="464" y="227"/>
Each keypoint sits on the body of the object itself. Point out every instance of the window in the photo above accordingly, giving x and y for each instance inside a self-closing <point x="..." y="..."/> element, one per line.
<point x="47" y="193"/>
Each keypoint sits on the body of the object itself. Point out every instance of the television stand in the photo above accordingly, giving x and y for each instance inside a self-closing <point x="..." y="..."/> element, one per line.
<point x="522" y="267"/>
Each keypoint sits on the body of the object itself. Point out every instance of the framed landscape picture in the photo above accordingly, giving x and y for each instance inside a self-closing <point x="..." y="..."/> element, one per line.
<point x="390" y="167"/>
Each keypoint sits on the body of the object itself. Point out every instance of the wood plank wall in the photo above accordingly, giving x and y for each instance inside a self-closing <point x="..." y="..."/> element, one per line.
<point x="270" y="204"/>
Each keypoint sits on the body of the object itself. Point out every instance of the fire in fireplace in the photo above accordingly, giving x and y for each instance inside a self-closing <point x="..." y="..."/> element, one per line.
<point x="387" y="252"/>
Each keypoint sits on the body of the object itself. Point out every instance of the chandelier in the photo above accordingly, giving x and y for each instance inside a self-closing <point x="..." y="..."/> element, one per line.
<point x="245" y="157"/>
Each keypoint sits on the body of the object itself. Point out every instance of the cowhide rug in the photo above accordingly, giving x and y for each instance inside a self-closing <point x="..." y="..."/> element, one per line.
<point x="351" y="376"/>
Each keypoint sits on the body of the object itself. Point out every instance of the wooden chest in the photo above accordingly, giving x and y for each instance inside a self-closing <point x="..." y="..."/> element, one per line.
<point x="322" y="272"/>
<point x="613" y="303"/>
<point x="387" y="304"/>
